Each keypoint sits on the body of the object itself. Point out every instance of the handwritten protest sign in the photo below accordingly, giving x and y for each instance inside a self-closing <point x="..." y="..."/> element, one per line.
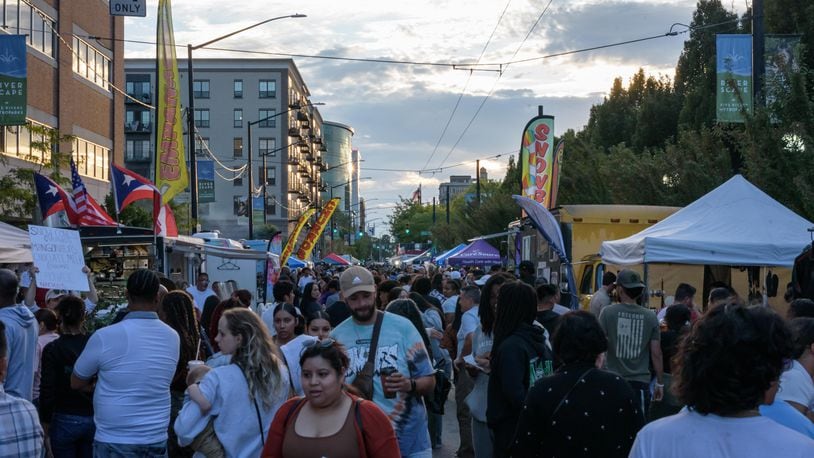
<point x="58" y="255"/>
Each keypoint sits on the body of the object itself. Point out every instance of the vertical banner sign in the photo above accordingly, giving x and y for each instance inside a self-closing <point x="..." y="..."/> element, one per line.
<point x="783" y="58"/>
<point x="295" y="234"/>
<point x="316" y="230"/>
<point x="170" y="165"/>
<point x="13" y="84"/>
<point x="537" y="158"/>
<point x="734" y="70"/>
<point x="257" y="210"/>
<point x="556" y="169"/>
<point x="206" y="182"/>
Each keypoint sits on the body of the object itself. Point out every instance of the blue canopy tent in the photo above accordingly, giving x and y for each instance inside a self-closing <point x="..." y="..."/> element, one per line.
<point x="441" y="259"/>
<point x="295" y="263"/>
<point x="477" y="253"/>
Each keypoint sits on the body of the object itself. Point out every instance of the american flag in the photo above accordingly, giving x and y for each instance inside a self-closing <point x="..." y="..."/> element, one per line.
<point x="90" y="212"/>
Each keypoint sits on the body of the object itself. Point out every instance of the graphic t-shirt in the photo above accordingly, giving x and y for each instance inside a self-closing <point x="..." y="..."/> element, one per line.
<point x="399" y="346"/>
<point x="630" y="329"/>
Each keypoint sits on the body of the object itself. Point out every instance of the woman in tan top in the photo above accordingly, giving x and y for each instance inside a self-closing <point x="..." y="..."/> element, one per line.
<point x="328" y="420"/>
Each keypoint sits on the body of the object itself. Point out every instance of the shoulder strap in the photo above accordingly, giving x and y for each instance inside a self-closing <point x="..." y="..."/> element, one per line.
<point x="259" y="422"/>
<point x="292" y="410"/>
<point x="290" y="377"/>
<point x="374" y="342"/>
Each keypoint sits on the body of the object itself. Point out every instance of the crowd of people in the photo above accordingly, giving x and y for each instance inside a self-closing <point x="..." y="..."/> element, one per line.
<point x="361" y="362"/>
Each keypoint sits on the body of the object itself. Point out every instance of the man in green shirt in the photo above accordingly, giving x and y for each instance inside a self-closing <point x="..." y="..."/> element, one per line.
<point x="633" y="339"/>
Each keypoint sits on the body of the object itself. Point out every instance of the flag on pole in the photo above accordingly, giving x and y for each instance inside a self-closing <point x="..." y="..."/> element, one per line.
<point x="165" y="223"/>
<point x="170" y="165"/>
<point x="316" y="230"/>
<point x="54" y="199"/>
<point x="417" y="195"/>
<point x="129" y="186"/>
<point x="90" y="212"/>
<point x="292" y="239"/>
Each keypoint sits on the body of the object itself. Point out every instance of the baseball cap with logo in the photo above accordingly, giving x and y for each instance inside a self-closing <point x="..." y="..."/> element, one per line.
<point x="629" y="279"/>
<point x="355" y="279"/>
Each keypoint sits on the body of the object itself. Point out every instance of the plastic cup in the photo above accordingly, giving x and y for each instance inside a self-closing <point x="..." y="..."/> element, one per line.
<point x="195" y="363"/>
<point x="384" y="373"/>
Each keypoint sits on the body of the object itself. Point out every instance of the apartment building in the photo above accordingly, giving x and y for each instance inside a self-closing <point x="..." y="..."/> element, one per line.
<point x="70" y="79"/>
<point x="229" y="94"/>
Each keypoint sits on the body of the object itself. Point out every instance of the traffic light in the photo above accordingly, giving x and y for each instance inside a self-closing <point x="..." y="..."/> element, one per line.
<point x="407" y="229"/>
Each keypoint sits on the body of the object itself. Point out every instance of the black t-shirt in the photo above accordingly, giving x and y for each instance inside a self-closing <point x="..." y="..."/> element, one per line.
<point x="669" y="346"/>
<point x="549" y="319"/>
<point x="338" y="312"/>
<point x="56" y="395"/>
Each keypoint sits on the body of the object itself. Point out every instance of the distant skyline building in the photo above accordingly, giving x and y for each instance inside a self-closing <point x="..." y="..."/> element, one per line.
<point x="457" y="184"/>
<point x="229" y="94"/>
<point x="338" y="140"/>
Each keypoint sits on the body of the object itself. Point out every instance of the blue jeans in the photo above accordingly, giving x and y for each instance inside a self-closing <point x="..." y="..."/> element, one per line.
<point x="72" y="435"/>
<point x="109" y="450"/>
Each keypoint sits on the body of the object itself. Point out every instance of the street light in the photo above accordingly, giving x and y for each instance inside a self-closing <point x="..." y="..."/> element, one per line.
<point x="193" y="166"/>
<point x="294" y="107"/>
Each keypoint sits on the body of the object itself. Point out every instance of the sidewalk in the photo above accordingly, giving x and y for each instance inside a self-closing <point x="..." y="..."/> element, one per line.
<point x="450" y="438"/>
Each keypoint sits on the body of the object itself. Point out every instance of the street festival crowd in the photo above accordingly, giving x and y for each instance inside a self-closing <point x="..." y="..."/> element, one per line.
<point x="359" y="363"/>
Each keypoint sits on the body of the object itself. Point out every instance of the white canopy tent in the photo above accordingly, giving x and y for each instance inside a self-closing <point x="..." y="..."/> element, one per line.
<point x="735" y="224"/>
<point x="15" y="245"/>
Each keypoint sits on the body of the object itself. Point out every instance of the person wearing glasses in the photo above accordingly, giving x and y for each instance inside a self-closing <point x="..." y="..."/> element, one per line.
<point x="328" y="420"/>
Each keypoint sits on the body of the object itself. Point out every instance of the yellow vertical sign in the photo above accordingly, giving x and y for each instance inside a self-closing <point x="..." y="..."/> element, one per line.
<point x="316" y="230"/>
<point x="292" y="239"/>
<point x="170" y="165"/>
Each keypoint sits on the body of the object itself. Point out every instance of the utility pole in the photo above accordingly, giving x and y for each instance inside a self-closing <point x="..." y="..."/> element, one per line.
<point x="447" y="205"/>
<point x="758" y="59"/>
<point x="433" y="210"/>
<point x="193" y="159"/>
<point x="477" y="174"/>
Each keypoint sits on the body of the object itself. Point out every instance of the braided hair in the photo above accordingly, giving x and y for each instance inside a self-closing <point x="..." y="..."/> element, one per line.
<point x="178" y="312"/>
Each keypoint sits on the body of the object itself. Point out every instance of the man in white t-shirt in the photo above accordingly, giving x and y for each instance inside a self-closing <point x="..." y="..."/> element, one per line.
<point x="132" y="364"/>
<point x="796" y="384"/>
<point x="201" y="291"/>
<point x="305" y="277"/>
<point x="451" y="290"/>
<point x="469" y="300"/>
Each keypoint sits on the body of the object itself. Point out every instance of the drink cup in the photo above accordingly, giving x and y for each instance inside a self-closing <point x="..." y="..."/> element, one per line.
<point x="386" y="372"/>
<point x="194" y="363"/>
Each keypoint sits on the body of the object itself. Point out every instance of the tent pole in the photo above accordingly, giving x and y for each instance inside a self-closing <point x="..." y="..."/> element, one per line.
<point x="646" y="292"/>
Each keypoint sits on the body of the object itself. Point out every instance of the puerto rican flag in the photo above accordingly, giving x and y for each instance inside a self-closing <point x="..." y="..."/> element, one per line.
<point x="129" y="187"/>
<point x="54" y="199"/>
<point x="165" y="223"/>
<point x="90" y="212"/>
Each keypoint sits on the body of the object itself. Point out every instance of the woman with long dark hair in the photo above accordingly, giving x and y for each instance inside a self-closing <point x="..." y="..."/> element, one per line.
<point x="519" y="358"/>
<point x="581" y="409"/>
<point x="178" y="312"/>
<point x="243" y="396"/>
<point x="309" y="304"/>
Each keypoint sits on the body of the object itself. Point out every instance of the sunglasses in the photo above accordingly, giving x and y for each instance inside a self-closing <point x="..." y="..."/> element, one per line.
<point x="321" y="344"/>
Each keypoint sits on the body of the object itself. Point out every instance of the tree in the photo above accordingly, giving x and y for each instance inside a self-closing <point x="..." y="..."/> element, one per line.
<point x="134" y="215"/>
<point x="48" y="155"/>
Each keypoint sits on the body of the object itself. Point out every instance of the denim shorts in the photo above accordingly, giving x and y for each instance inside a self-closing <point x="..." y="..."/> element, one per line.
<point x="109" y="450"/>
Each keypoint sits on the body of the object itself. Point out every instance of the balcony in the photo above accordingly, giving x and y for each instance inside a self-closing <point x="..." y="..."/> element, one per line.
<point x="143" y="97"/>
<point x="138" y="156"/>
<point x="137" y="127"/>
<point x="293" y="160"/>
<point x="302" y="116"/>
<point x="294" y="132"/>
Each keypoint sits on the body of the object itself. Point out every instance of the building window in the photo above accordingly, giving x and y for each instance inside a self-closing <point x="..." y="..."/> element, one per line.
<point x="267" y="113"/>
<point x="268" y="147"/>
<point x="23" y="19"/>
<point x="238" y="89"/>
<point x="201" y="145"/>
<point x="92" y="160"/>
<point x="137" y="150"/>
<point x="17" y="140"/>
<point x="137" y="121"/>
<point x="238" y="117"/>
<point x="239" y="206"/>
<point x="91" y="64"/>
<point x="238" y="181"/>
<point x="202" y="117"/>
<point x="271" y="176"/>
<point x="139" y="90"/>
<point x="200" y="89"/>
<point x="271" y="205"/>
<point x="237" y="147"/>
<point x="268" y="89"/>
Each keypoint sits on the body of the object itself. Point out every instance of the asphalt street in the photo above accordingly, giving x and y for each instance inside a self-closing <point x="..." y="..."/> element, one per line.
<point x="450" y="438"/>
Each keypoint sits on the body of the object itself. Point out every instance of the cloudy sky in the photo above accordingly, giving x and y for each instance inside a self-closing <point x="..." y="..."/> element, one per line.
<point x="399" y="111"/>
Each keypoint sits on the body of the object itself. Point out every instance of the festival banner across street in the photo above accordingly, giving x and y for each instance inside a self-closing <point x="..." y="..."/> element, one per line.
<point x="315" y="233"/>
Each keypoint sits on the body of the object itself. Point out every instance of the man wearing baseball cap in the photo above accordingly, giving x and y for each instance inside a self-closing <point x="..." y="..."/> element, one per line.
<point x="633" y="339"/>
<point x="399" y="347"/>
